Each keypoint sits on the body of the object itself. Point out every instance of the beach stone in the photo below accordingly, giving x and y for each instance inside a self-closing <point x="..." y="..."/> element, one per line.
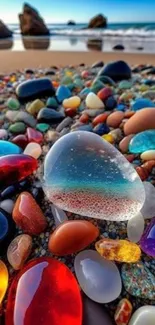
<point x="50" y="115"/>
<point x="52" y="102"/>
<point x="66" y="80"/>
<point x="143" y="315"/>
<point x="124" y="143"/>
<point x="33" y="149"/>
<point x="106" y="80"/>
<point x="42" y="127"/>
<point x="13" y="104"/>
<point x="148" y="155"/>
<point x="101" y="118"/>
<point x="135" y="228"/>
<point x="62" y="290"/>
<point x="8" y="148"/>
<point x="149" y="94"/>
<point x="34" y="89"/>
<point x="26" y="118"/>
<point x="142" y="142"/>
<point x="14" y="168"/>
<point x="59" y="215"/>
<point x="72" y="236"/>
<point x="35" y="107"/>
<point x="28" y="215"/>
<point x="84" y="118"/>
<point x="93" y="101"/>
<point x="108" y="137"/>
<point x="118" y="250"/>
<point x="34" y="135"/>
<point x="94" y="159"/>
<point x="63" y="92"/>
<point x="20" y="140"/>
<point x="123" y="312"/>
<point x="52" y="136"/>
<point x="141" y="103"/>
<point x="101" y="129"/>
<point x="118" y="70"/>
<point x="143" y="120"/>
<point x="148" y="209"/>
<point x="3" y="134"/>
<point x="115" y="119"/>
<point x="104" y="93"/>
<point x="98" y="278"/>
<point x="84" y="92"/>
<point x="7" y="230"/>
<point x="66" y="122"/>
<point x="18" y="127"/>
<point x="19" y="250"/>
<point x="94" y="313"/>
<point x="4" y="275"/>
<point x="125" y="84"/>
<point x="147" y="242"/>
<point x="93" y="112"/>
<point x="98" y="64"/>
<point x="96" y="86"/>
<point x="138" y="280"/>
<point x="72" y="102"/>
<point x="7" y="205"/>
<point x="110" y="103"/>
<point x="10" y="115"/>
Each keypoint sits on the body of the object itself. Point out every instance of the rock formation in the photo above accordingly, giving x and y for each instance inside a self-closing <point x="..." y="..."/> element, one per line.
<point x="4" y="31"/>
<point x="71" y="23"/>
<point x="31" y="23"/>
<point x="98" y="21"/>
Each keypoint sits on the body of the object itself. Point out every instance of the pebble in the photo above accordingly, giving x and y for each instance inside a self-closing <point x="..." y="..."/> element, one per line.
<point x="117" y="71"/>
<point x="8" y="148"/>
<point x="63" y="92"/>
<point x="34" y="135"/>
<point x="101" y="118"/>
<point x="98" y="278"/>
<point x="19" y="250"/>
<point x="50" y="115"/>
<point x="148" y="155"/>
<point x="26" y="118"/>
<point x="148" y="208"/>
<point x="35" y="107"/>
<point x="13" y="104"/>
<point x="135" y="228"/>
<point x="20" y="140"/>
<point x="123" y="312"/>
<point x="142" y="142"/>
<point x="124" y="143"/>
<point x="125" y="84"/>
<point x="143" y="120"/>
<point x="104" y="93"/>
<point x="3" y="134"/>
<point x="59" y="215"/>
<point x="33" y="149"/>
<point x="42" y="127"/>
<point x="143" y="315"/>
<point x="98" y="64"/>
<point x="4" y="280"/>
<point x="141" y="103"/>
<point x="72" y="236"/>
<point x="17" y="128"/>
<point x="93" y="101"/>
<point x="138" y="280"/>
<point x="66" y="122"/>
<point x="72" y="102"/>
<point x="101" y="129"/>
<point x="52" y="102"/>
<point x="115" y="119"/>
<point x="110" y="103"/>
<point x="10" y="115"/>
<point x="7" y="205"/>
<point x="147" y="242"/>
<point x="7" y="230"/>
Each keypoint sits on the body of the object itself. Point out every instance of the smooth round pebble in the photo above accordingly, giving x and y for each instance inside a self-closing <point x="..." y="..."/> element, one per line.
<point x="93" y="101"/>
<point x="33" y="149"/>
<point x="143" y="316"/>
<point x="124" y="143"/>
<point x="115" y="119"/>
<point x="72" y="102"/>
<point x="19" y="250"/>
<point x="98" y="278"/>
<point x="143" y="120"/>
<point x="135" y="228"/>
<point x="7" y="205"/>
<point x="58" y="214"/>
<point x="148" y="155"/>
<point x="3" y="134"/>
<point x="148" y="208"/>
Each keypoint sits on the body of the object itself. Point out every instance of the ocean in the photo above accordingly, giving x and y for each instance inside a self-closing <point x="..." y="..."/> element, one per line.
<point x="132" y="37"/>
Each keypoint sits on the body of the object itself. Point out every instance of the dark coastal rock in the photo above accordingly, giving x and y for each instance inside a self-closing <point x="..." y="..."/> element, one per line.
<point x="50" y="115"/>
<point x="119" y="47"/>
<point x="34" y="89"/>
<point x="31" y="23"/>
<point x="94" y="313"/>
<point x="4" y="31"/>
<point x="98" y="21"/>
<point x="98" y="64"/>
<point x="71" y="23"/>
<point x="7" y="230"/>
<point x="118" y="70"/>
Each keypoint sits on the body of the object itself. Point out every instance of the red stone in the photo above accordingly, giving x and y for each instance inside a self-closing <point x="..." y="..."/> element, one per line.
<point x="34" y="136"/>
<point x="84" y="118"/>
<point x="71" y="112"/>
<point x="20" y="140"/>
<point x="104" y="93"/>
<point x="101" y="118"/>
<point x="47" y="294"/>
<point x="28" y="215"/>
<point x="14" y="168"/>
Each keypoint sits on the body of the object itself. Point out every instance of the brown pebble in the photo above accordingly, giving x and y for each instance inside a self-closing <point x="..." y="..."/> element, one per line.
<point x="123" y="145"/>
<point x="19" y="250"/>
<point x="115" y="119"/>
<point x="141" y="121"/>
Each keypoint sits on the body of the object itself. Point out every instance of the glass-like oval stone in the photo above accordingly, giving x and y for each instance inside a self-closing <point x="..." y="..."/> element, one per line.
<point x="85" y="174"/>
<point x="45" y="292"/>
<point x="8" y="148"/>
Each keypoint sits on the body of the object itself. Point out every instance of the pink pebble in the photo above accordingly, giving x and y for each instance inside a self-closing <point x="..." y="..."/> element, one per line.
<point x="124" y="143"/>
<point x="115" y="119"/>
<point x="85" y="74"/>
<point x="3" y="134"/>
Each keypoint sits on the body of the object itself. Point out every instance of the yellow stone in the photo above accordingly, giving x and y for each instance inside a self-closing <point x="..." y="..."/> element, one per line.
<point x="108" y="137"/>
<point x="72" y="102"/>
<point x="126" y="96"/>
<point x="3" y="280"/>
<point x="118" y="250"/>
<point x="69" y="73"/>
<point x="143" y="88"/>
<point x="35" y="107"/>
<point x="148" y="155"/>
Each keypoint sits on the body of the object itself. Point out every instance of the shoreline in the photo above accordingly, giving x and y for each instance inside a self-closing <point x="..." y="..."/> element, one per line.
<point x="14" y="60"/>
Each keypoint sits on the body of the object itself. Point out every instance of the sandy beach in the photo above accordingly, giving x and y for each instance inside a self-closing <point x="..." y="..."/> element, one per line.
<point x="10" y="61"/>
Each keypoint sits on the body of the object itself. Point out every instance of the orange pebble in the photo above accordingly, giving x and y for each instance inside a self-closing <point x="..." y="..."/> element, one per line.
<point x="101" y="118"/>
<point x="84" y="118"/>
<point x="128" y="114"/>
<point x="88" y="83"/>
<point x="55" y="83"/>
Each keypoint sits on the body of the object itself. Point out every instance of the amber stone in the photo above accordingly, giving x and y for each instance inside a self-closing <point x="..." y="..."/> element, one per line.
<point x="28" y="215"/>
<point x="123" y="312"/>
<point x="70" y="112"/>
<point x="34" y="136"/>
<point x="19" y="250"/>
<point x="14" y="168"/>
<point x="45" y="292"/>
<point x="3" y="280"/>
<point x="20" y="140"/>
<point x="101" y="118"/>
<point x="72" y="236"/>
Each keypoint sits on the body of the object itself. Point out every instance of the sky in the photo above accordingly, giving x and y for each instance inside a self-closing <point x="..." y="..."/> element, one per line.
<point x="54" y="11"/>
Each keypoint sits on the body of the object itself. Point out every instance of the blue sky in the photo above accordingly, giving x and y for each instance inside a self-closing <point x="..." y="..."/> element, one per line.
<point x="83" y="10"/>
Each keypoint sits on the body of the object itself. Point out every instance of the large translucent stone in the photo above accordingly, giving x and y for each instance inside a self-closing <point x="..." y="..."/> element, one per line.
<point x="45" y="292"/>
<point x="86" y="175"/>
<point x="98" y="278"/>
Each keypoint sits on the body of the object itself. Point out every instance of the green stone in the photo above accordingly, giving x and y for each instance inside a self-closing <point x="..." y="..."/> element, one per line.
<point x="13" y="104"/>
<point x="71" y="86"/>
<point x="125" y="84"/>
<point x="35" y="107"/>
<point x="17" y="128"/>
<point x="66" y="80"/>
<point x="78" y="83"/>
<point x="51" y="102"/>
<point x="97" y="86"/>
<point x="42" y="127"/>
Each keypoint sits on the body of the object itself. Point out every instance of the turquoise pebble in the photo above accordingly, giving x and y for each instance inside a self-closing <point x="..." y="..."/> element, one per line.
<point x="8" y="148"/>
<point x="42" y="127"/>
<point x="125" y="84"/>
<point x="52" y="102"/>
<point x="142" y="141"/>
<point x="84" y="91"/>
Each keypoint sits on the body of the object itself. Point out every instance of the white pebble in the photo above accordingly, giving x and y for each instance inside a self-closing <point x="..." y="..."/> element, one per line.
<point x="93" y="101"/>
<point x="7" y="205"/>
<point x="148" y="155"/>
<point x="135" y="228"/>
<point x="33" y="149"/>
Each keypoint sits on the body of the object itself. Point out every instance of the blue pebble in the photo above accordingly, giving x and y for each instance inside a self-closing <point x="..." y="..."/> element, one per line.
<point x="101" y="129"/>
<point x="121" y="107"/>
<point x="62" y="93"/>
<point x="85" y="91"/>
<point x="149" y="82"/>
<point x="7" y="230"/>
<point x="142" y="103"/>
<point x="8" y="148"/>
<point x="86" y="127"/>
<point x="142" y="141"/>
<point x="110" y="103"/>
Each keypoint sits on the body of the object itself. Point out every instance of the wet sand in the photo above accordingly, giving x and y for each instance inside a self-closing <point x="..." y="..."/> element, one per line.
<point x="10" y="61"/>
